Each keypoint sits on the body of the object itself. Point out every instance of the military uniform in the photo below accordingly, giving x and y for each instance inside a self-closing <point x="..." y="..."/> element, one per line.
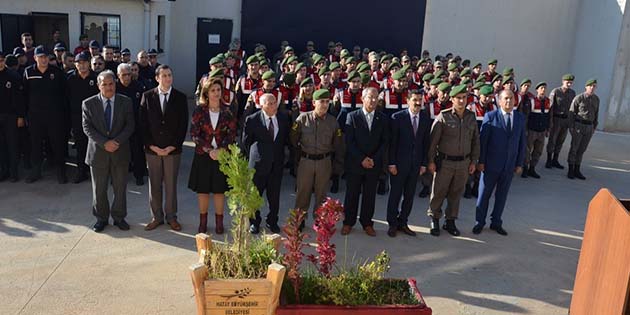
<point x="454" y="145"/>
<point x="138" y="160"/>
<point x="560" y="103"/>
<point x="11" y="108"/>
<point x="316" y="139"/>
<point x="348" y="101"/>
<point x="538" y="124"/>
<point x="583" y="116"/>
<point x="480" y="110"/>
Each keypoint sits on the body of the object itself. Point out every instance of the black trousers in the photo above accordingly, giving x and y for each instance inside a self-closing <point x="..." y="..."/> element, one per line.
<point x="80" y="142"/>
<point x="8" y="145"/>
<point x="269" y="184"/>
<point x="49" y="126"/>
<point x="363" y="186"/>
<point x="138" y="159"/>
<point x="24" y="145"/>
<point x="403" y="185"/>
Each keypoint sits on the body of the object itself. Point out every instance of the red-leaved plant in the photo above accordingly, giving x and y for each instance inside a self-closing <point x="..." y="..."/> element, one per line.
<point x="294" y="243"/>
<point x="326" y="217"/>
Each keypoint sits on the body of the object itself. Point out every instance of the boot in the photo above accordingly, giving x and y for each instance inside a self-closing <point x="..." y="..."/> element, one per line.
<point x="549" y="163"/>
<point x="218" y="219"/>
<point x="61" y="175"/>
<point x="468" y="192"/>
<point x="525" y="171"/>
<point x="532" y="172"/>
<point x="435" y="227"/>
<point x="577" y="173"/>
<point x="555" y="162"/>
<point x="571" y="173"/>
<point x="334" y="188"/>
<point x="203" y="223"/>
<point x="450" y="227"/>
<point x="383" y="188"/>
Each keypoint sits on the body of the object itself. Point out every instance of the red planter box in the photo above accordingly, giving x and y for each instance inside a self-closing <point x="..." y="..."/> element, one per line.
<point x="420" y="309"/>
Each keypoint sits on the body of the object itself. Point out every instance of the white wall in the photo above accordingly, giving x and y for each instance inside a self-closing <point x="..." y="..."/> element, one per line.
<point x="130" y="12"/>
<point x="617" y="113"/>
<point x="596" y="43"/>
<point x="183" y="43"/>
<point x="535" y="37"/>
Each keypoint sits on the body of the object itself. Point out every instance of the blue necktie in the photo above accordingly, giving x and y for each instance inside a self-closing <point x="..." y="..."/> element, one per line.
<point x="509" y="122"/>
<point x="108" y="115"/>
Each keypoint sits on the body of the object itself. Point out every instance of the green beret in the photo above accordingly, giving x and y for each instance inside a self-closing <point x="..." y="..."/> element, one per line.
<point x="221" y="57"/>
<point x="439" y="73"/>
<point x="317" y="59"/>
<point x="385" y="58"/>
<point x="395" y="59"/>
<point x="361" y="63"/>
<point x="252" y="59"/>
<point x="496" y="78"/>
<point x="394" y="64"/>
<point x="486" y="90"/>
<point x="321" y="94"/>
<point x="268" y="75"/>
<point x="353" y="75"/>
<point x="216" y="73"/>
<point x="508" y="71"/>
<point x="365" y="78"/>
<point x="479" y="84"/>
<point x="260" y="56"/>
<point x="215" y="60"/>
<point x="291" y="59"/>
<point x="406" y="68"/>
<point x="350" y="59"/>
<point x="436" y="81"/>
<point x="452" y="66"/>
<point x="287" y="49"/>
<point x="263" y="62"/>
<point x="288" y="78"/>
<point x="299" y="66"/>
<point x="466" y="81"/>
<point x="492" y="62"/>
<point x="458" y="89"/>
<point x="427" y="77"/>
<point x="465" y="72"/>
<point x="333" y="66"/>
<point x="323" y="71"/>
<point x="364" y="67"/>
<point x="506" y="79"/>
<point x="444" y="87"/>
<point x="525" y="81"/>
<point x="568" y="77"/>
<point x="399" y="74"/>
<point x="306" y="81"/>
<point x="477" y="65"/>
<point x="343" y="53"/>
<point x="591" y="82"/>
<point x="539" y="84"/>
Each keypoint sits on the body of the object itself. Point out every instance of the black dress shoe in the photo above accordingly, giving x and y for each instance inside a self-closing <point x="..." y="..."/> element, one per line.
<point x="122" y="224"/>
<point x="273" y="227"/>
<point x="391" y="232"/>
<point x="424" y="192"/>
<point x="4" y="177"/>
<point x="33" y="178"/>
<point x="254" y="229"/>
<point x="405" y="229"/>
<point x="139" y="181"/>
<point x="477" y="229"/>
<point x="532" y="173"/>
<point x="14" y="179"/>
<point x="99" y="226"/>
<point x="435" y="227"/>
<point x="450" y="227"/>
<point x="80" y="177"/>
<point x="499" y="230"/>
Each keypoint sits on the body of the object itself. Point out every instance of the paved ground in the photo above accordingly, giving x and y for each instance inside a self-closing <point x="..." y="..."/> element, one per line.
<point x="54" y="264"/>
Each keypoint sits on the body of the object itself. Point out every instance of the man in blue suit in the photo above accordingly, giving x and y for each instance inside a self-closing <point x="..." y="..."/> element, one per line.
<point x="409" y="144"/>
<point x="503" y="145"/>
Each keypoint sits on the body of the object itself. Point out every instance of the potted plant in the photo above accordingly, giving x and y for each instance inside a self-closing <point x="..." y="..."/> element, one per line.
<point x="241" y="276"/>
<point x="325" y="288"/>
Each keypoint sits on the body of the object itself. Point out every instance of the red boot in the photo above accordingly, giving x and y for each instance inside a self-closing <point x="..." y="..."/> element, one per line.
<point x="203" y="223"/>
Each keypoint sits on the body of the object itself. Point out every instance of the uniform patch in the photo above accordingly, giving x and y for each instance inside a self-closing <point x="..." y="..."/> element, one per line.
<point x="52" y="76"/>
<point x="295" y="126"/>
<point x="338" y="132"/>
<point x="8" y="85"/>
<point x="91" y="82"/>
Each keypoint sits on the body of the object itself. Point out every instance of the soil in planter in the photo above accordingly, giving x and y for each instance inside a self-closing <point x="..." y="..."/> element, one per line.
<point x="349" y="289"/>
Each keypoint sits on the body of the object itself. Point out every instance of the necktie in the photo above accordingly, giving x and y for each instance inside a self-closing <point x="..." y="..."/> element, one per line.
<point x="368" y="117"/>
<point x="415" y="125"/>
<point x="399" y="98"/>
<point x="353" y="100"/>
<point x="164" y="102"/>
<point x="108" y="114"/>
<point x="509" y="122"/>
<point x="542" y="105"/>
<point x="271" y="129"/>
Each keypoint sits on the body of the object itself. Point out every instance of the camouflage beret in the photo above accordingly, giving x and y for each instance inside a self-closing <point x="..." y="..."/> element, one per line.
<point x="268" y="75"/>
<point x="458" y="89"/>
<point x="321" y="94"/>
<point x="486" y="90"/>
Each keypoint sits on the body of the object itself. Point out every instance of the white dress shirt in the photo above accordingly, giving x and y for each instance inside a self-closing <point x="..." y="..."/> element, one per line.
<point x="369" y="117"/>
<point x="214" y="120"/>
<point x="163" y="101"/>
<point x="505" y="118"/>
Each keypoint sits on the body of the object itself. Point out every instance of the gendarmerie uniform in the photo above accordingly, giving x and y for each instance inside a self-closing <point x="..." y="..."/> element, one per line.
<point x="538" y="124"/>
<point x="79" y="89"/>
<point x="583" y="115"/>
<point x="138" y="161"/>
<point x="560" y="103"/>
<point x="11" y="108"/>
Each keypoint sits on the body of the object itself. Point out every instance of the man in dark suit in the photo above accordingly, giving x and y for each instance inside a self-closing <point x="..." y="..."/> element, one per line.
<point x="408" y="147"/>
<point x="367" y="134"/>
<point x="264" y="138"/>
<point x="108" y="123"/>
<point x="502" y="154"/>
<point x="163" y="124"/>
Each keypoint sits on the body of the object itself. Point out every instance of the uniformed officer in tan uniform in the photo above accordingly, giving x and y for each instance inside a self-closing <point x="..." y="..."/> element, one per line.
<point x="583" y="116"/>
<point x="453" y="155"/>
<point x="316" y="136"/>
<point x="561" y="98"/>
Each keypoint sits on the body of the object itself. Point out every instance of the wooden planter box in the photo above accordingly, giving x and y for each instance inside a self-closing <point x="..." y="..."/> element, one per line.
<point x="235" y="296"/>
<point x="420" y="309"/>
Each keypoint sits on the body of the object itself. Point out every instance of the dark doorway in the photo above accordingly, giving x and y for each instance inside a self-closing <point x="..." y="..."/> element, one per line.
<point x="388" y="25"/>
<point x="40" y="25"/>
<point x="12" y="26"/>
<point x="213" y="37"/>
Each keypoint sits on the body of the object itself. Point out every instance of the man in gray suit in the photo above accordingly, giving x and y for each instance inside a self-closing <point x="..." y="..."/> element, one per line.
<point x="108" y="122"/>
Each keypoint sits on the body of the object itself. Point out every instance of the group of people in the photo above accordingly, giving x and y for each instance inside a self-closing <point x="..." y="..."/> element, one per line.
<point x="381" y="122"/>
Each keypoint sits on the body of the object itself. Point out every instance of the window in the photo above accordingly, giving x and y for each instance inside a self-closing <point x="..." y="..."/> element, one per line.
<point x="161" y="39"/>
<point x="103" y="28"/>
